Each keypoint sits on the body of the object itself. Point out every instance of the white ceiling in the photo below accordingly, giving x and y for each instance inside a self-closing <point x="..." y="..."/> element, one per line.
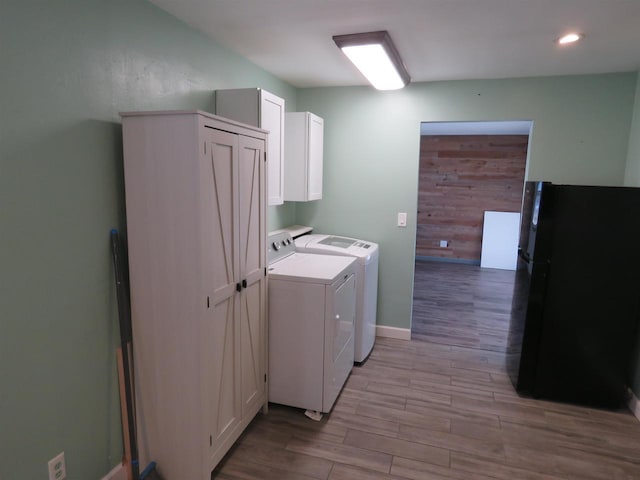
<point x="438" y="39"/>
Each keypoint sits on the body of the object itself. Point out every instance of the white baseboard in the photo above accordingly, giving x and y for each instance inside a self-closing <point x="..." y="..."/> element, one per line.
<point x="634" y="404"/>
<point x="393" y="332"/>
<point x="118" y="473"/>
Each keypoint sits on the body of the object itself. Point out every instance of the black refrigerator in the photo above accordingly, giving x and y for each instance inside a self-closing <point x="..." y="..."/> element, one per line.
<point x="576" y="299"/>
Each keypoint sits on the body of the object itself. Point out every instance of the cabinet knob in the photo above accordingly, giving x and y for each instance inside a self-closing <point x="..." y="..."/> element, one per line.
<point x="238" y="287"/>
<point x="337" y="317"/>
<point x="244" y="283"/>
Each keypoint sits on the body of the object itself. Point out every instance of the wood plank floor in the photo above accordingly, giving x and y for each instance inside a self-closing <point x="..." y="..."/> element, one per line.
<point x="440" y="407"/>
<point x="462" y="305"/>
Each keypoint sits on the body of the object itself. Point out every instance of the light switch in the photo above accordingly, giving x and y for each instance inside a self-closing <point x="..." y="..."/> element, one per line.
<point x="402" y="219"/>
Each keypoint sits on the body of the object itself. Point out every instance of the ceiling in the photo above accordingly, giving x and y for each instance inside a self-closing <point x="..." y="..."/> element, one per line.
<point x="437" y="39"/>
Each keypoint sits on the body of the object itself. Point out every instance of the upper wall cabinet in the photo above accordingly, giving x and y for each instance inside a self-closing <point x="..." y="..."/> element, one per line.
<point x="304" y="151"/>
<point x="255" y="106"/>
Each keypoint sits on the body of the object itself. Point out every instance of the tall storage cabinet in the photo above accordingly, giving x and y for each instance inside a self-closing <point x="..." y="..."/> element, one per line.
<point x="263" y="109"/>
<point x="304" y="153"/>
<point x="196" y="227"/>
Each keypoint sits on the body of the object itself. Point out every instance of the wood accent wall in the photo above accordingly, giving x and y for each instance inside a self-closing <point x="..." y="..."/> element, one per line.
<point x="461" y="176"/>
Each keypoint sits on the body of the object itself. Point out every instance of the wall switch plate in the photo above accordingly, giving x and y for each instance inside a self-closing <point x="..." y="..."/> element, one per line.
<point x="444" y="243"/>
<point x="57" y="467"/>
<point x="402" y="219"/>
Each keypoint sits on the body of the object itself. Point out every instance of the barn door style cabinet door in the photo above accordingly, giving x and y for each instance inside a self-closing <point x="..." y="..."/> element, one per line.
<point x="195" y="199"/>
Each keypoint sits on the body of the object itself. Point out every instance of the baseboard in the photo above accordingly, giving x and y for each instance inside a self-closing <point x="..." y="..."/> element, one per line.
<point x="422" y="258"/>
<point x="393" y="332"/>
<point x="634" y="404"/>
<point x="118" y="473"/>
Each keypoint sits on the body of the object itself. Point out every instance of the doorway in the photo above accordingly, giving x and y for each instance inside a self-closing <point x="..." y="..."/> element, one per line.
<point x="466" y="169"/>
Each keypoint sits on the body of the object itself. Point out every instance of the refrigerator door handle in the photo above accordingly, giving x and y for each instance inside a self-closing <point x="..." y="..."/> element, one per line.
<point x="524" y="255"/>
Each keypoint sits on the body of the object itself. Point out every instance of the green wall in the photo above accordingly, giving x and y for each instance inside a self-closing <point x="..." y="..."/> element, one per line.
<point x="632" y="179"/>
<point x="632" y="174"/>
<point x="580" y="135"/>
<point x="68" y="68"/>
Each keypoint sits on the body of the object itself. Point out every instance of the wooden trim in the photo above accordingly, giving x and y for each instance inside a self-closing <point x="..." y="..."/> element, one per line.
<point x="423" y="258"/>
<point x="393" y="332"/>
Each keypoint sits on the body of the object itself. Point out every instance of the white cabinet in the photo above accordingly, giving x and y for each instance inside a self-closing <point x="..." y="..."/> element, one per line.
<point x="304" y="151"/>
<point x="260" y="108"/>
<point x="195" y="199"/>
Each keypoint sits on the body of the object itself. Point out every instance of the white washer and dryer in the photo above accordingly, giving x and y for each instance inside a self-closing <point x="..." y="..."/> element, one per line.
<point x="312" y="309"/>
<point x="367" y="255"/>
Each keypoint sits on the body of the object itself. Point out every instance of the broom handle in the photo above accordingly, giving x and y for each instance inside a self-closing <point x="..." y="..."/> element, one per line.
<point x="124" y="316"/>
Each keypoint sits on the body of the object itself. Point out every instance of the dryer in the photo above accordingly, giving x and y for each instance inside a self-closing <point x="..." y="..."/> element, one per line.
<point x="367" y="255"/>
<point x="312" y="303"/>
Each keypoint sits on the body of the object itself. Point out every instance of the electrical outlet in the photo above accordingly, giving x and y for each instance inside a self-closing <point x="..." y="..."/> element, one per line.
<point x="57" y="467"/>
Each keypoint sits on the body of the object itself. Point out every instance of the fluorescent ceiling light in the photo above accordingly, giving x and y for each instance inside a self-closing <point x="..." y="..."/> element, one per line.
<point x="570" y="38"/>
<point x="376" y="57"/>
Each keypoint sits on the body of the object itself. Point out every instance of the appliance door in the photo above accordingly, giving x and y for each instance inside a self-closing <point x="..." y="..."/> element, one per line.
<point x="521" y="288"/>
<point x="527" y="320"/>
<point x="591" y="303"/>
<point x="339" y="336"/>
<point x="529" y="289"/>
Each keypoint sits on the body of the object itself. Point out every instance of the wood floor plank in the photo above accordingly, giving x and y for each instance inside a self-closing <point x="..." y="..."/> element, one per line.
<point x="379" y="426"/>
<point x="407" y="392"/>
<point x="347" y="472"/>
<point x="417" y="470"/>
<point x="487" y="449"/>
<point x="371" y="396"/>
<point x="449" y="389"/>
<point x="451" y="412"/>
<point x="471" y="464"/>
<point x="244" y="469"/>
<point x="275" y="458"/>
<point x="394" y="446"/>
<point x="346" y="454"/>
<point x="405" y="417"/>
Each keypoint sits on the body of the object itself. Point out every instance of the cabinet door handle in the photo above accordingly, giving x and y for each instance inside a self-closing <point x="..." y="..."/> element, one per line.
<point x="244" y="283"/>
<point x="238" y="287"/>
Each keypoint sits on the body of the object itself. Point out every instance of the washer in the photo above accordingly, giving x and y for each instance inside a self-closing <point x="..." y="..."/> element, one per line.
<point x="312" y="303"/>
<point x="367" y="254"/>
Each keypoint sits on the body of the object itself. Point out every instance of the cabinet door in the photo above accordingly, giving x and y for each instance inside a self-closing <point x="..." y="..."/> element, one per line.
<point x="221" y="332"/>
<point x="316" y="145"/>
<point x="252" y="248"/>
<point x="272" y="119"/>
<point x="263" y="109"/>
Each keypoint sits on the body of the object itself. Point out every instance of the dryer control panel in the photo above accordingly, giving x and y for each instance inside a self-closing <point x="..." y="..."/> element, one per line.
<point x="279" y="245"/>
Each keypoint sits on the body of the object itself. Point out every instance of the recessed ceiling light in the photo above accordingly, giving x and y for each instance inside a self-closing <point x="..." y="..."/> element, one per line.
<point x="570" y="38"/>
